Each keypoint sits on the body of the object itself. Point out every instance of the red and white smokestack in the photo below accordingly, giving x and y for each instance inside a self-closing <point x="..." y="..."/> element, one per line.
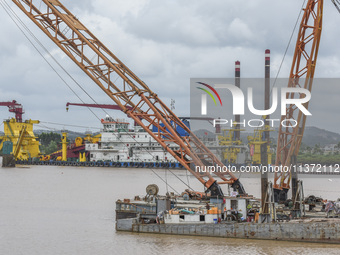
<point x="267" y="87"/>
<point x="267" y="57"/>
<point x="237" y="84"/>
<point x="237" y="73"/>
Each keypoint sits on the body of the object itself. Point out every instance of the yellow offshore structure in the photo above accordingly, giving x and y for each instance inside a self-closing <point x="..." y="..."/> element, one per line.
<point x="21" y="137"/>
<point x="227" y="139"/>
<point x="255" y="143"/>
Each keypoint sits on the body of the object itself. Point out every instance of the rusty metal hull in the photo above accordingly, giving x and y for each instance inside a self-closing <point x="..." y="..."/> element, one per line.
<point x="327" y="231"/>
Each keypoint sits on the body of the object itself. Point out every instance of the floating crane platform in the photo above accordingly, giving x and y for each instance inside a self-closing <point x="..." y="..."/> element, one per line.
<point x="184" y="216"/>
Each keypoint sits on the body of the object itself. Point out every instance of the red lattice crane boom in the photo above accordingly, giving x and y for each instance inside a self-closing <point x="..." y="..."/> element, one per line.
<point x="15" y="108"/>
<point x="130" y="93"/>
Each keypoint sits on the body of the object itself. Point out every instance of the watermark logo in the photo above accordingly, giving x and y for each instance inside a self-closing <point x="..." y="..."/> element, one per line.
<point x="299" y="100"/>
<point x="204" y="97"/>
<point x="239" y="99"/>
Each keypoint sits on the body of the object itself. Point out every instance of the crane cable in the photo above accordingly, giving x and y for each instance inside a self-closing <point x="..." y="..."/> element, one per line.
<point x="14" y="16"/>
<point x="9" y="10"/>
<point x="289" y="43"/>
<point x="283" y="59"/>
<point x="336" y="4"/>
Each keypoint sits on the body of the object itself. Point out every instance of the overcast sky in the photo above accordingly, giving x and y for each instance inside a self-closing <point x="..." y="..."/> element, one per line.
<point x="165" y="43"/>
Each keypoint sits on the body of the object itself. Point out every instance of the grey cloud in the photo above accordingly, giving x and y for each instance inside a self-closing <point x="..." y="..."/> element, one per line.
<point x="165" y="43"/>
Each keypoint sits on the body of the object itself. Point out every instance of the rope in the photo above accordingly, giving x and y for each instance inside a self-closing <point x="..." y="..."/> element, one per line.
<point x="289" y="42"/>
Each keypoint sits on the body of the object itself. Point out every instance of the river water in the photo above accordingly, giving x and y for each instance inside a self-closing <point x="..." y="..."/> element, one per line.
<point x="70" y="210"/>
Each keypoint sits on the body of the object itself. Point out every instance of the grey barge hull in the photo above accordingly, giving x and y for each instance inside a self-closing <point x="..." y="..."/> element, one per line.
<point x="323" y="231"/>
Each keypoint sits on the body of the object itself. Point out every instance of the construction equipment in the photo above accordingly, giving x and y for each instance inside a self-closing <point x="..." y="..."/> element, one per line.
<point x="92" y="138"/>
<point x="125" y="89"/>
<point x="102" y="106"/>
<point x="228" y="138"/>
<point x="15" y="108"/>
<point x="9" y="160"/>
<point x="303" y="67"/>
<point x="64" y="146"/>
<point x="73" y="151"/>
<point x="29" y="146"/>
<point x="256" y="141"/>
<point x="22" y="145"/>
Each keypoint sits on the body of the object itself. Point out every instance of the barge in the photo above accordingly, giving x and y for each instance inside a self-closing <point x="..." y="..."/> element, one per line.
<point x="233" y="216"/>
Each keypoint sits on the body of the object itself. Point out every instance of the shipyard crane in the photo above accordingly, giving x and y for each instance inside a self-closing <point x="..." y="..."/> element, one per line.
<point x="116" y="107"/>
<point x="301" y="76"/>
<point x="16" y="108"/>
<point x="128" y="91"/>
<point x="101" y="106"/>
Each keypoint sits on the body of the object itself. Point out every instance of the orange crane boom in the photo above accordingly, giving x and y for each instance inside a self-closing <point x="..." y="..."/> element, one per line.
<point x="301" y="76"/>
<point x="130" y="93"/>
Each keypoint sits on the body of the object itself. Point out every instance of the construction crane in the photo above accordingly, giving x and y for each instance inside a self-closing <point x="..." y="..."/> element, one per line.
<point x="116" y="107"/>
<point x="129" y="92"/>
<point x="18" y="134"/>
<point x="16" y="108"/>
<point x="102" y="106"/>
<point x="301" y="76"/>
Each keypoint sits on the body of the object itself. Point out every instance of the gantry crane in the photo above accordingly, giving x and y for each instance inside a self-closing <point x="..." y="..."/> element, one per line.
<point x="301" y="76"/>
<point x="16" y="108"/>
<point x="129" y="92"/>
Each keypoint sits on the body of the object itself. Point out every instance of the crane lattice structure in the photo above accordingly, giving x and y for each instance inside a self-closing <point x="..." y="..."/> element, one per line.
<point x="130" y="93"/>
<point x="301" y="76"/>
